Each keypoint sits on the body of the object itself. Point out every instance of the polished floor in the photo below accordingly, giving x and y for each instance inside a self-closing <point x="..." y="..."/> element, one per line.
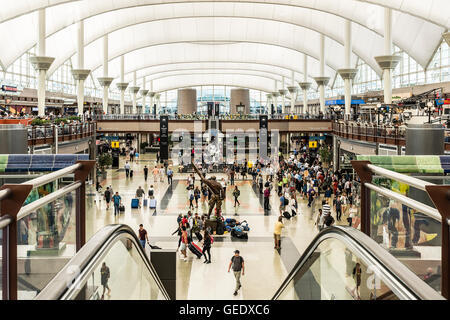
<point x="266" y="268"/>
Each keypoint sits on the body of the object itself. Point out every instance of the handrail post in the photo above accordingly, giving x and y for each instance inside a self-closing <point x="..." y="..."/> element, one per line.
<point x="366" y="177"/>
<point x="81" y="175"/>
<point x="11" y="205"/>
<point x="440" y="195"/>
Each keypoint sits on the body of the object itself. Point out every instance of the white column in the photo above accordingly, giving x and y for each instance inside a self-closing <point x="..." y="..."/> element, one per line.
<point x="276" y="95"/>
<point x="134" y="111"/>
<point x="122" y="79"/>
<point x="283" y="107"/>
<point x="292" y="94"/>
<point x="144" y="97"/>
<point x="151" y="98"/>
<point x="305" y="79"/>
<point x="105" y="73"/>
<point x="80" y="51"/>
<point x="387" y="77"/>
<point x="322" y="73"/>
<point x="41" y="52"/>
<point x="348" y="57"/>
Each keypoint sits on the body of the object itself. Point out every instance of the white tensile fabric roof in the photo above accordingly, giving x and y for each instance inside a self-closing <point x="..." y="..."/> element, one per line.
<point x="264" y="39"/>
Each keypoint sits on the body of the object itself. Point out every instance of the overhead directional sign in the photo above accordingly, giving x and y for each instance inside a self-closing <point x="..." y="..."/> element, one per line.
<point x="115" y="144"/>
<point x="313" y="144"/>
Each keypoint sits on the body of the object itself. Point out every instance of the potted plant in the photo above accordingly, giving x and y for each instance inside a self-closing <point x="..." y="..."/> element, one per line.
<point x="104" y="160"/>
<point x="325" y="154"/>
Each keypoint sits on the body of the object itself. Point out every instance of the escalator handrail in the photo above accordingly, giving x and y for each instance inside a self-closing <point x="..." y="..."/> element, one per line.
<point x="398" y="270"/>
<point x="57" y="287"/>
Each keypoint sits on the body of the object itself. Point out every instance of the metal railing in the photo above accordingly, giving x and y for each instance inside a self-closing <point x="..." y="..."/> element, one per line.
<point x="39" y="135"/>
<point x="439" y="194"/>
<point x="12" y="198"/>
<point x="398" y="278"/>
<point x="371" y="132"/>
<point x="193" y="117"/>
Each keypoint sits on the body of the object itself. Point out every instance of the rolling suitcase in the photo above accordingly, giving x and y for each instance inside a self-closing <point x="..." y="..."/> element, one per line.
<point x="122" y="208"/>
<point x="195" y="249"/>
<point x="152" y="203"/>
<point x="131" y="173"/>
<point x="145" y="202"/>
<point x="134" y="203"/>
<point x="287" y="215"/>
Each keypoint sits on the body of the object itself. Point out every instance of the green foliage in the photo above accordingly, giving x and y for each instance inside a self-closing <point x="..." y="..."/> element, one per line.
<point x="325" y="154"/>
<point x="39" y="122"/>
<point x="104" y="160"/>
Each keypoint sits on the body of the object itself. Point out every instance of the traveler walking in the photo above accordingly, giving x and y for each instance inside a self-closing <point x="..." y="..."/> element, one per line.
<point x="236" y="194"/>
<point x="145" y="173"/>
<point x="140" y="194"/>
<point x="155" y="173"/>
<point x="104" y="275"/>
<point x="266" y="198"/>
<point x="117" y="202"/>
<point x="107" y="196"/>
<point x="127" y="169"/>
<point x="277" y="233"/>
<point x="207" y="247"/>
<point x="143" y="236"/>
<point x="237" y="262"/>
<point x="184" y="242"/>
<point x="169" y="177"/>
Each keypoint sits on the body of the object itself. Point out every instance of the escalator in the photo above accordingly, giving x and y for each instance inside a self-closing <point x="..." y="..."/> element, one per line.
<point x="326" y="271"/>
<point x="342" y="263"/>
<point x="131" y="274"/>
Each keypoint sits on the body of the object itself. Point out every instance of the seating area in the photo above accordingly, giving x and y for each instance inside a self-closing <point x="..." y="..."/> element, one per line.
<point x="38" y="162"/>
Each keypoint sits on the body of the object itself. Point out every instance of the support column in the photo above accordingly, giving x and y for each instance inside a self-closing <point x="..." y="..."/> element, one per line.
<point x="388" y="62"/>
<point x="152" y="94"/>
<point x="335" y="153"/>
<point x="305" y="85"/>
<point x="40" y="62"/>
<point x="122" y="85"/>
<point x="275" y="95"/>
<point x="283" y="92"/>
<point x="134" y="91"/>
<point x="144" y="93"/>
<point x="348" y="73"/>
<point x="321" y="80"/>
<point x="80" y="74"/>
<point x="105" y="81"/>
<point x="293" y="92"/>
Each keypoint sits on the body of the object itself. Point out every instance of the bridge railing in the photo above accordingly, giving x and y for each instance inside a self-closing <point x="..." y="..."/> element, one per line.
<point x="139" y="117"/>
<point x="39" y="135"/>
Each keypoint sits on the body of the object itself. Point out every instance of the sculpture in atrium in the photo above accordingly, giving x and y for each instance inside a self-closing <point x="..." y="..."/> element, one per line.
<point x="217" y="192"/>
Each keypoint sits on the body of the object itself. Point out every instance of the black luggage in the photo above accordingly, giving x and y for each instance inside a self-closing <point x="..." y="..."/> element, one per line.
<point x="199" y="236"/>
<point x="195" y="249"/>
<point x="131" y="173"/>
<point x="239" y="234"/>
<point x="220" y="229"/>
<point x="121" y="208"/>
<point x="287" y="215"/>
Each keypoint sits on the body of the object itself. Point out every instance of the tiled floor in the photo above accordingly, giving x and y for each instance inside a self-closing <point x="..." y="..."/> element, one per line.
<point x="265" y="267"/>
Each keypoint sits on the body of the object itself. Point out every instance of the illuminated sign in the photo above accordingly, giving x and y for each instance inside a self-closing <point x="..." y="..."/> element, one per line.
<point x="313" y="144"/>
<point x="9" y="88"/>
<point x="115" y="144"/>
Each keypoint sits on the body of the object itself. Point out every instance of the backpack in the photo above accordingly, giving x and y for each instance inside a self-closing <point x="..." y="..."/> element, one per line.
<point x="191" y="197"/>
<point x="329" y="220"/>
<point x="286" y="202"/>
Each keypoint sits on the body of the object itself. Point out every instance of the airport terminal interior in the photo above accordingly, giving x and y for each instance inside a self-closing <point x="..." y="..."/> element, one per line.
<point x="225" y="150"/>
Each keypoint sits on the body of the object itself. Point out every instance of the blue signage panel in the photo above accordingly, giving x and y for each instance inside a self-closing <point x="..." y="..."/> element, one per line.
<point x="342" y="102"/>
